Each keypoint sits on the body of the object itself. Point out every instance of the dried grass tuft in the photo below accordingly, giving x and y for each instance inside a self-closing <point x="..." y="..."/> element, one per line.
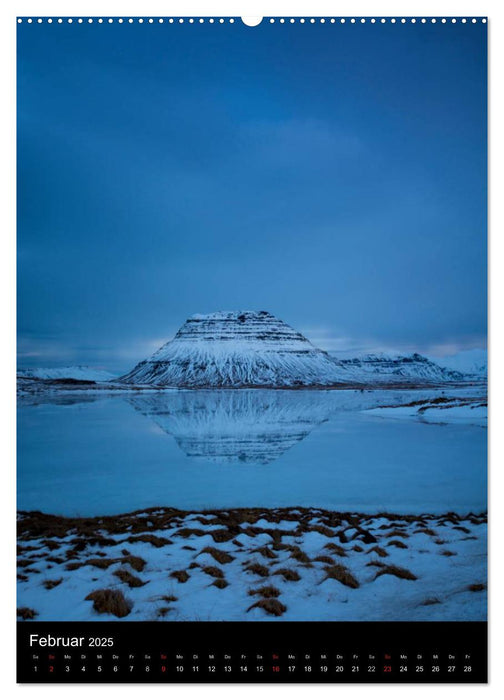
<point x="325" y="559"/>
<point x="265" y="591"/>
<point x="396" y="571"/>
<point x="213" y="571"/>
<point x="342" y="574"/>
<point x="288" y="574"/>
<point x="126" y="577"/>
<point x="218" y="555"/>
<point x="270" y="605"/>
<point x="476" y="587"/>
<point x="48" y="584"/>
<point x="220" y="583"/>
<point x="266" y="552"/>
<point x="106" y="600"/>
<point x="181" y="575"/>
<point x="257" y="569"/>
<point x="336" y="549"/>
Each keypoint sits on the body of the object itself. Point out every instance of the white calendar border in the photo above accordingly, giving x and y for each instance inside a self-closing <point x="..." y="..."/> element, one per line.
<point x="314" y="8"/>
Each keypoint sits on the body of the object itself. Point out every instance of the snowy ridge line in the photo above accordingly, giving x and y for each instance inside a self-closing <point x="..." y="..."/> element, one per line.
<point x="393" y="367"/>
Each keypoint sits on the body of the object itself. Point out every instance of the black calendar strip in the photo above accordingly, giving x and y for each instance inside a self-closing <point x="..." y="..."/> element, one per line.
<point x="192" y="652"/>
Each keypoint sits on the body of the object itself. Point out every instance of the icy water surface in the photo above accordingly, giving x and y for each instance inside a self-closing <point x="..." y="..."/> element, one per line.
<point x="93" y="454"/>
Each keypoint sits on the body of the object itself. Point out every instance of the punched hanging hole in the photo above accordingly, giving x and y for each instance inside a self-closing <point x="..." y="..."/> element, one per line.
<point x="252" y="21"/>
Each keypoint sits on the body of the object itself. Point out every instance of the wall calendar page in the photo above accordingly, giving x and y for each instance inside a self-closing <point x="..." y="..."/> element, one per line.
<point x="252" y="349"/>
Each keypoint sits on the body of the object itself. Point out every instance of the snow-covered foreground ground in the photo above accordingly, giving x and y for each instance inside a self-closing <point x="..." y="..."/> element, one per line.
<point x="252" y="564"/>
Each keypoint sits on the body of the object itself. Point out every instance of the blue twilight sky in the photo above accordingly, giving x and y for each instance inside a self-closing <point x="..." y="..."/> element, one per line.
<point x="334" y="175"/>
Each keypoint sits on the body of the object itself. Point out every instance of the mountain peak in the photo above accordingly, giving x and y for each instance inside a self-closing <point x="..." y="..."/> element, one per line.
<point x="236" y="349"/>
<point x="241" y="316"/>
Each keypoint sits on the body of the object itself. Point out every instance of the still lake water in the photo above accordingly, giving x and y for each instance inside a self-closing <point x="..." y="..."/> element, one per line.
<point x="100" y="454"/>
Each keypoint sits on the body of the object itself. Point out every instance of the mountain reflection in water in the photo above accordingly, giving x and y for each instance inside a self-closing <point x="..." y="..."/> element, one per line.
<point x="246" y="426"/>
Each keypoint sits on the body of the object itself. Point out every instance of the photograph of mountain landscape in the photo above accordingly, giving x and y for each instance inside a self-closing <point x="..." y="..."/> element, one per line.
<point x="252" y="321"/>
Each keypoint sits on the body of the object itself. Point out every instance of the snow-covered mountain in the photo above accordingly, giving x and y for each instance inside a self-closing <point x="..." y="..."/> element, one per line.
<point x="255" y="349"/>
<point x="238" y="349"/>
<point x="470" y="362"/>
<point x="379" y="367"/>
<point x="75" y="372"/>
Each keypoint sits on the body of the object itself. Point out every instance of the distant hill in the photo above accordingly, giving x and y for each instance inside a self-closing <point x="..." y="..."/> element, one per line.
<point x="470" y="362"/>
<point x="383" y="368"/>
<point x="75" y="372"/>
